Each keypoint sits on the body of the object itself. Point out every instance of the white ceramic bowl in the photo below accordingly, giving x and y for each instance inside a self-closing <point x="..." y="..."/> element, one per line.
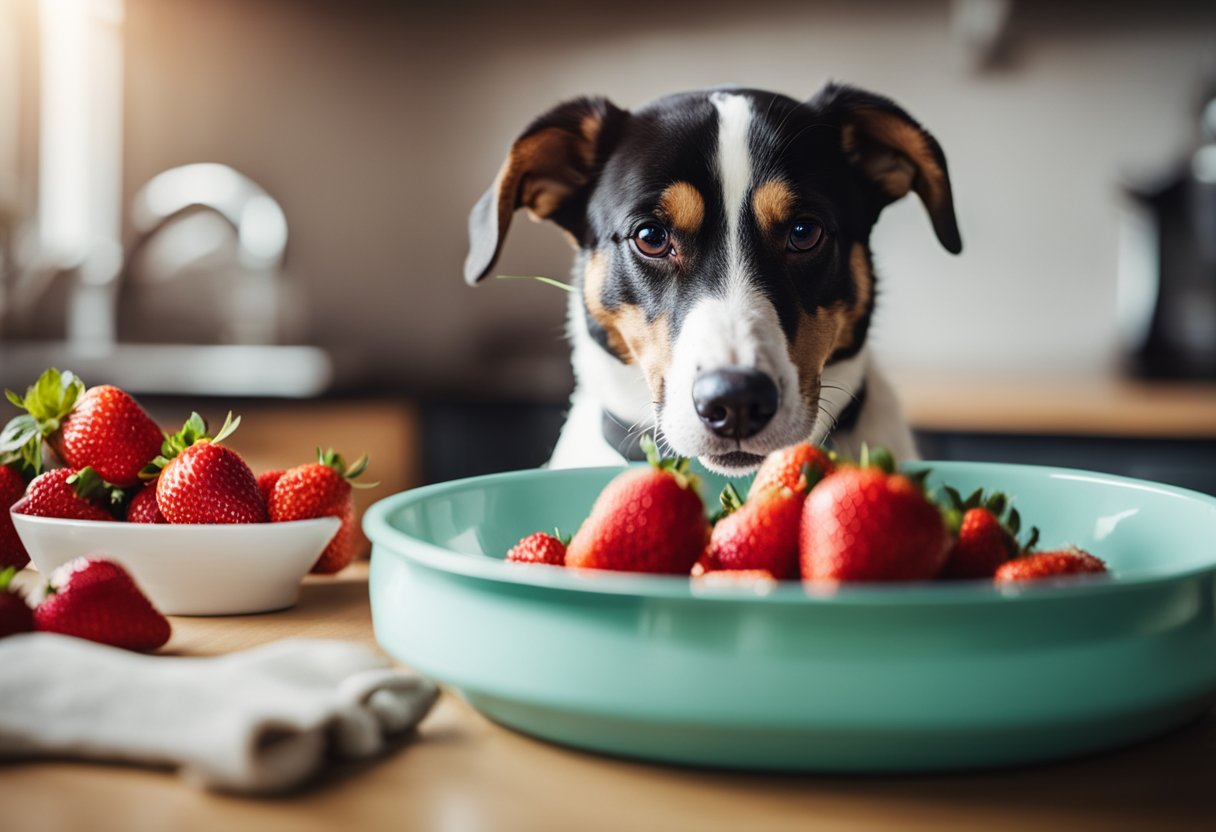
<point x="223" y="569"/>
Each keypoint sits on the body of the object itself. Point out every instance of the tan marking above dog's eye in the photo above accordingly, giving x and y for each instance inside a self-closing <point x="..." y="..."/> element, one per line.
<point x="773" y="202"/>
<point x="682" y="205"/>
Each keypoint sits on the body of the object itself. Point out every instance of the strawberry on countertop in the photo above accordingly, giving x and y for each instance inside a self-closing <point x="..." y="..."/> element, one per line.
<point x="322" y="489"/>
<point x="97" y="600"/>
<point x="648" y="519"/>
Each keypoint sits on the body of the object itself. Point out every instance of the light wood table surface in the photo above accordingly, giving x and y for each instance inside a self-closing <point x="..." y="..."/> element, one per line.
<point x="1083" y="406"/>
<point x="463" y="773"/>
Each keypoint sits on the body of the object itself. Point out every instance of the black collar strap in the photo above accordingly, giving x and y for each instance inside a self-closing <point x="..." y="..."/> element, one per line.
<point x="627" y="441"/>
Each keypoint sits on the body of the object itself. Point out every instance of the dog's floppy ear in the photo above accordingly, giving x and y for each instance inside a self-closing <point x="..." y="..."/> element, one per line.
<point x="893" y="151"/>
<point x="549" y="170"/>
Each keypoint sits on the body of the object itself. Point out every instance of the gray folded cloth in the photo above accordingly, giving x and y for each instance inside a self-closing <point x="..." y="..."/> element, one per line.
<point x="259" y="721"/>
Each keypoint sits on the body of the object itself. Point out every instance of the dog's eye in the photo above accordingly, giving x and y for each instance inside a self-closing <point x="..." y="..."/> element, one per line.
<point x="652" y="240"/>
<point x="805" y="235"/>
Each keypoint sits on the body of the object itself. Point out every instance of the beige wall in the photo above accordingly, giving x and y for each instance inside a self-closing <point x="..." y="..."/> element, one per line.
<point x="377" y="126"/>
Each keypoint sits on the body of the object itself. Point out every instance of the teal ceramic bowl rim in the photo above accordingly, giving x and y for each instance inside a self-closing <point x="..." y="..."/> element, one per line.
<point x="381" y="532"/>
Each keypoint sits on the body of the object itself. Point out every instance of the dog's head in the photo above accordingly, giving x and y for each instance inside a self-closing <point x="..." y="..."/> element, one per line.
<point x="723" y="244"/>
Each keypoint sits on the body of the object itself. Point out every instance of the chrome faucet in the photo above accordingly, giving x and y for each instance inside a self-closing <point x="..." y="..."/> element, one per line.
<point x="260" y="225"/>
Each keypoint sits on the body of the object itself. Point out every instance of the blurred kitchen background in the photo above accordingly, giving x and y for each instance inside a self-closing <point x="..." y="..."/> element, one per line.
<point x="261" y="204"/>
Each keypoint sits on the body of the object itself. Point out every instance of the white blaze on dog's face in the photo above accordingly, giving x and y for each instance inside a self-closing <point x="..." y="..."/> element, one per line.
<point x="723" y="248"/>
<point x="734" y="328"/>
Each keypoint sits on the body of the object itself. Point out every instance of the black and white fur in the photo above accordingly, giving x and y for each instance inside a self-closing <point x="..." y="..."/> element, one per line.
<point x="765" y="205"/>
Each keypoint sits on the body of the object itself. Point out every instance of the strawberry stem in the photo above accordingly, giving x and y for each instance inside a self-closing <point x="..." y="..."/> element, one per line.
<point x="193" y="431"/>
<point x="227" y="429"/>
<point x="729" y="500"/>
<point x="332" y="459"/>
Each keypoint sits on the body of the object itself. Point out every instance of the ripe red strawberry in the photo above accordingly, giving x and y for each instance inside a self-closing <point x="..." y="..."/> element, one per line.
<point x="266" y="481"/>
<point x="143" y="507"/>
<point x="12" y="487"/>
<point x="1070" y="561"/>
<point x="203" y="482"/>
<point x="72" y="495"/>
<point x="985" y="536"/>
<point x="539" y="547"/>
<point x="15" y="615"/>
<point x="98" y="600"/>
<point x="647" y="519"/>
<point x="869" y="524"/>
<point x="322" y="489"/>
<point x="982" y="545"/>
<point x="102" y="428"/>
<point x="760" y="534"/>
<point x="789" y="466"/>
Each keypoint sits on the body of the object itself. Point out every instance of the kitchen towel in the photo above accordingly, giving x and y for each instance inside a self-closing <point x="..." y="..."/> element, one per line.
<point x="260" y="721"/>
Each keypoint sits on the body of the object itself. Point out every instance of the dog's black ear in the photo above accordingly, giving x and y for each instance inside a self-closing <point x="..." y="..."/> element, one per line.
<point x="893" y="151"/>
<point x="549" y="170"/>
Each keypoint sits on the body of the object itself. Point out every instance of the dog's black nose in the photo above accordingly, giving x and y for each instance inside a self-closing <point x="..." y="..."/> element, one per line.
<point x="735" y="403"/>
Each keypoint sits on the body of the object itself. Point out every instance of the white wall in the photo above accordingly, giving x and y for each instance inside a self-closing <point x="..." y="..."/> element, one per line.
<point x="378" y="126"/>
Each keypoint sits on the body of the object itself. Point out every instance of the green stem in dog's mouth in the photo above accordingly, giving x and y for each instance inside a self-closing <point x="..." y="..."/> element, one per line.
<point x="566" y="287"/>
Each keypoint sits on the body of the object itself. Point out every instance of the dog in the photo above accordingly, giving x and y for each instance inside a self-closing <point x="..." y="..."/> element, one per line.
<point x="723" y="284"/>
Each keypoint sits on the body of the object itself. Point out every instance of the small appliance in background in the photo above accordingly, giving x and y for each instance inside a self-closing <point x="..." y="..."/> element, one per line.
<point x="1167" y="265"/>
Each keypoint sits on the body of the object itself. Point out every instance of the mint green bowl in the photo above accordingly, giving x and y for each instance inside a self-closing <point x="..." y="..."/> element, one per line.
<point x="867" y="678"/>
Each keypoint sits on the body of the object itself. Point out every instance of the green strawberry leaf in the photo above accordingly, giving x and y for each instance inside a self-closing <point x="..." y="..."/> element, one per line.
<point x="333" y="459"/>
<point x="18" y="432"/>
<point x="193" y="430"/>
<point x="46" y="403"/>
<point x="678" y="466"/>
<point x="21" y="443"/>
<point x="1014" y="523"/>
<point x="1032" y="540"/>
<point x="50" y="398"/>
<point x="86" y="483"/>
<point x="812" y="473"/>
<point x="877" y="457"/>
<point x="6" y="578"/>
<point x="954" y="497"/>
<point x="729" y="500"/>
<point x="227" y="429"/>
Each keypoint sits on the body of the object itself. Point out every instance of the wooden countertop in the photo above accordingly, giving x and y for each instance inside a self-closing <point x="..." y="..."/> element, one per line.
<point x="1103" y="406"/>
<point x="463" y="773"/>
